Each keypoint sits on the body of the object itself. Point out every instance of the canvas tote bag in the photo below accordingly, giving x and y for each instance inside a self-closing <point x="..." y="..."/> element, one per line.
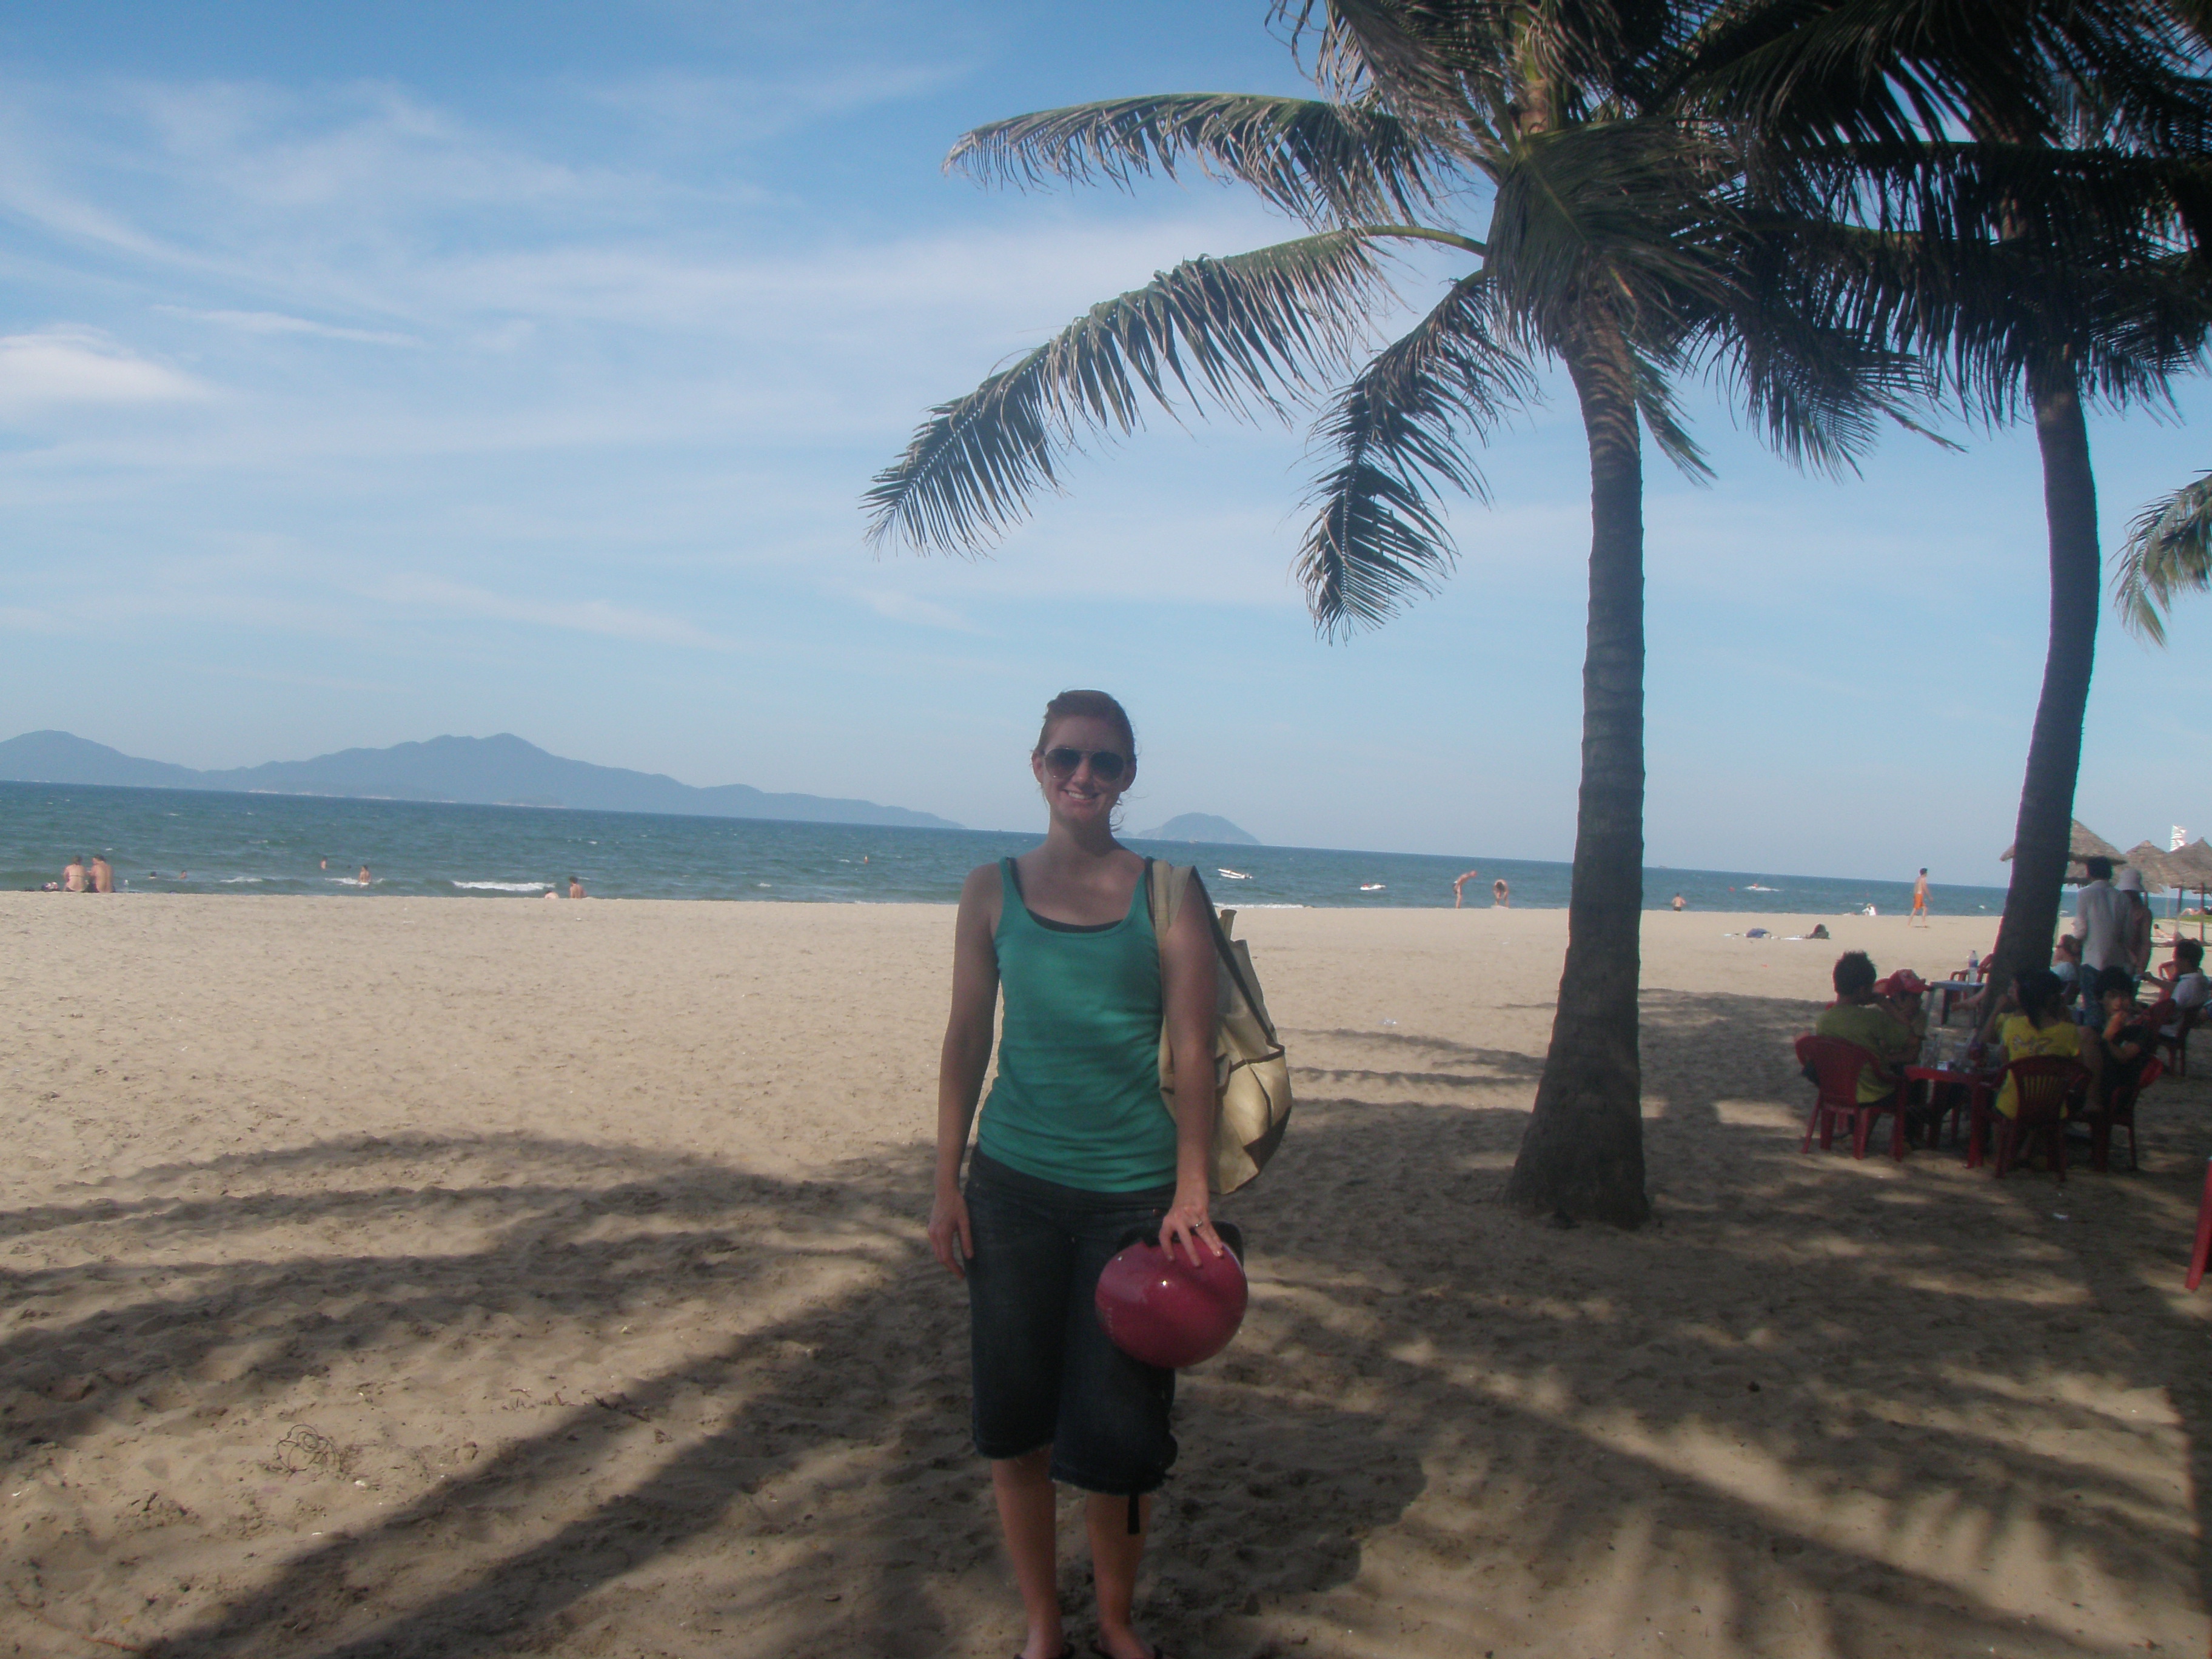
<point x="1251" y="1074"/>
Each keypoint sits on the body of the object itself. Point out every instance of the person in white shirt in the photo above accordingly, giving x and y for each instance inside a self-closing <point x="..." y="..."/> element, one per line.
<point x="2189" y="988"/>
<point x="2101" y="916"/>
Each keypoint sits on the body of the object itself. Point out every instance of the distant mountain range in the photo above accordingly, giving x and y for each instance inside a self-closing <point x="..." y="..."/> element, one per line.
<point x="500" y="771"/>
<point x="1184" y="826"/>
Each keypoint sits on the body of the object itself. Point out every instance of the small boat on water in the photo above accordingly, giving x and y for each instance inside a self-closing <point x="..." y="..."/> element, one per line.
<point x="1234" y="875"/>
<point x="1756" y="888"/>
<point x="1370" y="886"/>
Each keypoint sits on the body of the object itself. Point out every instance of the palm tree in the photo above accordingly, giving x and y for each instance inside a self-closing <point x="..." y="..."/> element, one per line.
<point x="2168" y="552"/>
<point x="2026" y="220"/>
<point x="1615" y="243"/>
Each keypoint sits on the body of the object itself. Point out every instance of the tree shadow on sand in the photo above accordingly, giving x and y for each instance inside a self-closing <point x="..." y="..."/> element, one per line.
<point x="1834" y="1407"/>
<point x="1825" y="1407"/>
<point x="829" y="1494"/>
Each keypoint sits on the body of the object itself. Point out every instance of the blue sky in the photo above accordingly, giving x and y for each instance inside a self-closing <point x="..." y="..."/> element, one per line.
<point x="372" y="373"/>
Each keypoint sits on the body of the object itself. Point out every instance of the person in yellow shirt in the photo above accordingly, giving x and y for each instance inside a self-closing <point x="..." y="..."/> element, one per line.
<point x="2041" y="1027"/>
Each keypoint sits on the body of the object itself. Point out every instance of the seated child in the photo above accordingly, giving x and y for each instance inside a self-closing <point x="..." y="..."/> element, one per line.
<point x="2126" y="1035"/>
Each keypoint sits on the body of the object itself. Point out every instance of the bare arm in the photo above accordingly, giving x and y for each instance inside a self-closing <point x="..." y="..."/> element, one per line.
<point x="964" y="1060"/>
<point x="1190" y="1008"/>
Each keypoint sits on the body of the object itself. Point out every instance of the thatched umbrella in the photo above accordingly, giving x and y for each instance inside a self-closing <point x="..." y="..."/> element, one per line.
<point x="2084" y="843"/>
<point x="2191" y="866"/>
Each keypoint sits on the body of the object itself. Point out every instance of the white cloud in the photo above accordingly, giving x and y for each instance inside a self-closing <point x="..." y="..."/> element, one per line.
<point x="77" y="366"/>
<point x="907" y="608"/>
<point x="277" y="322"/>
<point x="575" y="615"/>
<point x="693" y="109"/>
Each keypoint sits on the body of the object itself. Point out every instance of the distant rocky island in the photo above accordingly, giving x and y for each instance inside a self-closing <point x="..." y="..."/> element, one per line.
<point x="497" y="771"/>
<point x="1196" y="826"/>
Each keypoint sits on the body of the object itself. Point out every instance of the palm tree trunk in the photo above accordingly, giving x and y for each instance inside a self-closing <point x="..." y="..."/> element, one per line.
<point x="1582" y="1153"/>
<point x="2045" y="826"/>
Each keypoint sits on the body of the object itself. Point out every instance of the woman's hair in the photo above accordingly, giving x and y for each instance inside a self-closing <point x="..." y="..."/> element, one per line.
<point x="1094" y="705"/>
<point x="2040" y="993"/>
<point x="2111" y="981"/>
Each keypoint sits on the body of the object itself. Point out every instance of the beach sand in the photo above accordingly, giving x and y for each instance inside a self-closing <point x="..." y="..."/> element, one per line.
<point x="433" y="1277"/>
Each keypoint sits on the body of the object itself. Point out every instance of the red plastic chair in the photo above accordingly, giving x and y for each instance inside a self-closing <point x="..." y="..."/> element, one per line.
<point x="2177" y="1046"/>
<point x="1835" y="1067"/>
<point x="2119" y="1112"/>
<point x="2045" y="1087"/>
<point x="2203" y="1249"/>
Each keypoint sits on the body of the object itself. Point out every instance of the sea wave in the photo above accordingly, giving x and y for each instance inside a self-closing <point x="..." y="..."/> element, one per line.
<point x="230" y="880"/>
<point x="506" y="886"/>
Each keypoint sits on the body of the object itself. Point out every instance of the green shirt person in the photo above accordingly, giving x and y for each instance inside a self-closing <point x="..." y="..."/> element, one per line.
<point x="1858" y="1016"/>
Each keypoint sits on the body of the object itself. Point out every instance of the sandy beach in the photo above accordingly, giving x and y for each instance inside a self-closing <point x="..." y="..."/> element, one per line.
<point x="422" y="1277"/>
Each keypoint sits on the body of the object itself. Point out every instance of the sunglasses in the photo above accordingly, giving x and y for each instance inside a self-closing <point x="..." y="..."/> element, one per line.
<point x="1106" y="764"/>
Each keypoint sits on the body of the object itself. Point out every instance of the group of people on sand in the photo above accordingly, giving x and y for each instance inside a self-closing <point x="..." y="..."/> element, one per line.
<point x="1501" y="895"/>
<point x="83" y="875"/>
<point x="2111" y="1034"/>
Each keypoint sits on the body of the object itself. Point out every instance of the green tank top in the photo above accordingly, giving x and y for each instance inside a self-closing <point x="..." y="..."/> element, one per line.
<point x="1077" y="1099"/>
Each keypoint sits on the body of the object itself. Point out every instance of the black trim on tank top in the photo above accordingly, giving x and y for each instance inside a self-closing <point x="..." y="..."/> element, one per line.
<point x="1047" y="922"/>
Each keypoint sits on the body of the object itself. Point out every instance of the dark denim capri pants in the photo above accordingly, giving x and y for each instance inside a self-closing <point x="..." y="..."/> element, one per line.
<point x="1045" y="1372"/>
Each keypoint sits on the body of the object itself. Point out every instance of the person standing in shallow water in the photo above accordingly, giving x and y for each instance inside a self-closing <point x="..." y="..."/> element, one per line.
<point x="1075" y="1152"/>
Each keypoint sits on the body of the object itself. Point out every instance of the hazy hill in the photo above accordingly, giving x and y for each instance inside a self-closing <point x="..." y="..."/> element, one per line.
<point x="500" y="771"/>
<point x="1198" y="826"/>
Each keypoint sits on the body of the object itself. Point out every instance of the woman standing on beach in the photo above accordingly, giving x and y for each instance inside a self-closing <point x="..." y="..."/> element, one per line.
<point x="1075" y="1154"/>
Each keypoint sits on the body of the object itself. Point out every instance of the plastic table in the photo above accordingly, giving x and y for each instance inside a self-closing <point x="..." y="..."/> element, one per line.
<point x="1981" y="1090"/>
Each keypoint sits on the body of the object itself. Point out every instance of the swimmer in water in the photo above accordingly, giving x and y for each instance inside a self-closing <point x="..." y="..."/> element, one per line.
<point x="362" y="879"/>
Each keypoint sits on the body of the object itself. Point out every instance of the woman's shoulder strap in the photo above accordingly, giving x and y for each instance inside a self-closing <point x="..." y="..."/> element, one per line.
<point x="1167" y="886"/>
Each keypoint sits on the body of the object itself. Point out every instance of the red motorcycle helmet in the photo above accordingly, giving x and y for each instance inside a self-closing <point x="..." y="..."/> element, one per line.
<point x="1158" y="1309"/>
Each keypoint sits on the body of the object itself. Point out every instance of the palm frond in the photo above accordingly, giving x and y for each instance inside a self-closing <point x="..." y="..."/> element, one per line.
<point x="1654" y="387"/>
<point x="1813" y="70"/>
<point x="1978" y="313"/>
<point x="1627" y="210"/>
<point x="1398" y="429"/>
<point x="1245" y="334"/>
<point x="1432" y="66"/>
<point x="1800" y="352"/>
<point x="1328" y="163"/>
<point x="2168" y="552"/>
<point x="2096" y="204"/>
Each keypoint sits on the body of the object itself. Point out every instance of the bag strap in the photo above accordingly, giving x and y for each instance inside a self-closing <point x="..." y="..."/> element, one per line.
<point x="1163" y="897"/>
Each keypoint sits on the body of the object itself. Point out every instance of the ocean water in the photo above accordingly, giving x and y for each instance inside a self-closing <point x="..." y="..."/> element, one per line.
<point x="176" y="840"/>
